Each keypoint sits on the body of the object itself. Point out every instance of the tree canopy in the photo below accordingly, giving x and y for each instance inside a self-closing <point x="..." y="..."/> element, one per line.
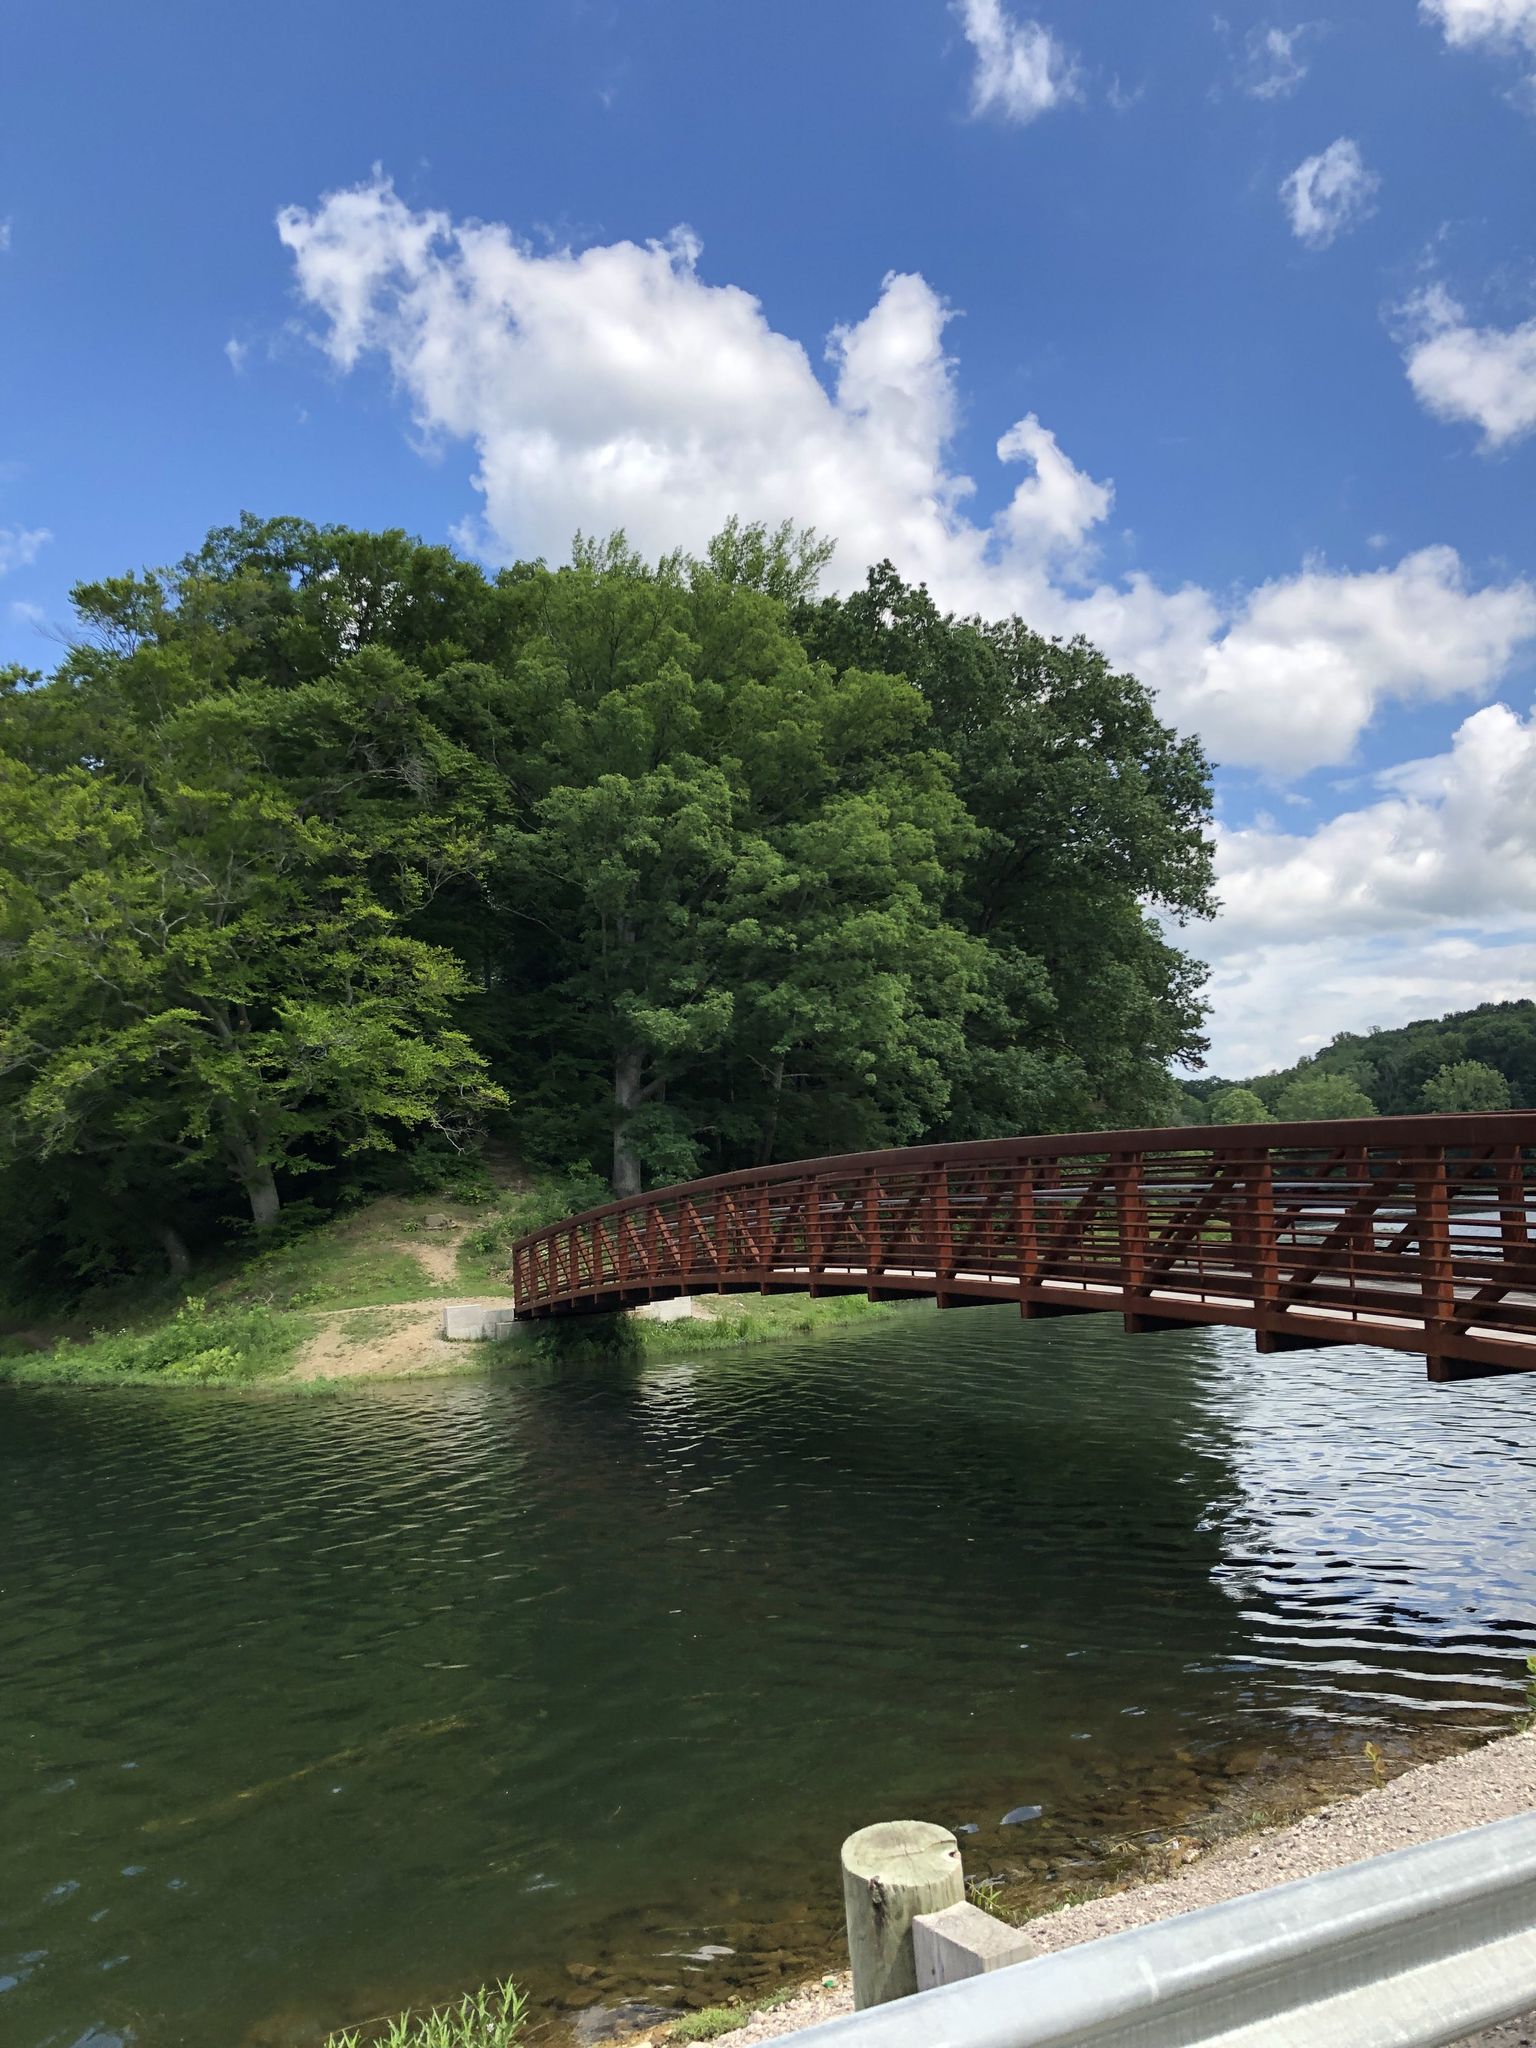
<point x="324" y="846"/>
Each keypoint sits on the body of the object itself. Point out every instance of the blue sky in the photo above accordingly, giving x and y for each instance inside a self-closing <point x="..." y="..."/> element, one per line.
<point x="1248" y="301"/>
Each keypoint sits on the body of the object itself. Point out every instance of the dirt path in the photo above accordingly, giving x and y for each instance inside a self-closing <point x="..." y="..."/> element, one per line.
<point x="1436" y="1799"/>
<point x="401" y="1337"/>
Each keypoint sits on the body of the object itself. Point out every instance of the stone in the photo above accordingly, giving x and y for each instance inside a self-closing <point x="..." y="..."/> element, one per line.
<point x="435" y="1219"/>
<point x="464" y="1322"/>
<point x="963" y="1941"/>
<point x="680" y="1309"/>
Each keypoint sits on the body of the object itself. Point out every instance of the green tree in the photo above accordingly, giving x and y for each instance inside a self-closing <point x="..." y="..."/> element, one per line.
<point x="1318" y="1097"/>
<point x="1238" y="1106"/>
<point x="1092" y="822"/>
<point x="202" y="981"/>
<point x="1467" y="1085"/>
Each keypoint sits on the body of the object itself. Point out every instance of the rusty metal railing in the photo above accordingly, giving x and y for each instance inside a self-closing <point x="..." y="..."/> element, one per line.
<point x="1411" y="1232"/>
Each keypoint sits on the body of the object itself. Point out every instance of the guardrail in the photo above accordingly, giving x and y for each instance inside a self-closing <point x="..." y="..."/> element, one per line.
<point x="1411" y="1232"/>
<point x="1410" y="1950"/>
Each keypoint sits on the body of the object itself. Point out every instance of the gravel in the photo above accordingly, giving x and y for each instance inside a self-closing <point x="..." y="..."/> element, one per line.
<point x="1435" y="1799"/>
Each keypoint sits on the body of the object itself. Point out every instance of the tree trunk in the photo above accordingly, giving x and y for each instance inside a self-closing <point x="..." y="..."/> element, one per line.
<point x="771" y="1127"/>
<point x="255" y="1176"/>
<point x="178" y="1260"/>
<point x="628" y="1094"/>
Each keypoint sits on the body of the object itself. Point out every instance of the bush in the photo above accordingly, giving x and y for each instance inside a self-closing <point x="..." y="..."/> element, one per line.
<point x="551" y="1198"/>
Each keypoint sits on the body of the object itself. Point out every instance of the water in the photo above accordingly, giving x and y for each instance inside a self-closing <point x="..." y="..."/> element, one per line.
<point x="310" y="1708"/>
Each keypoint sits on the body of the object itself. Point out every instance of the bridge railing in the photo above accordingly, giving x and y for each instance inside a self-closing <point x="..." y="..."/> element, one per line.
<point x="1412" y="1232"/>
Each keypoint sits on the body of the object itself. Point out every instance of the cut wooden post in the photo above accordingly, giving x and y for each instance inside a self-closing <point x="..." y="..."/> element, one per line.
<point x="963" y="1941"/>
<point x="891" y="1873"/>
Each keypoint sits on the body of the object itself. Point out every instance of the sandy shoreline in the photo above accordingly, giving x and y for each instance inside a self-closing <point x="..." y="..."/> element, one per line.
<point x="1432" y="1800"/>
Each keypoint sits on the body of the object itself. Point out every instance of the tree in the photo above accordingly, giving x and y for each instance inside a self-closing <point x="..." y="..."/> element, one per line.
<point x="1466" y="1086"/>
<point x="1238" y="1106"/>
<point x="1319" y="1097"/>
<point x="202" y="981"/>
<point x="725" y="869"/>
<point x="1092" y="822"/>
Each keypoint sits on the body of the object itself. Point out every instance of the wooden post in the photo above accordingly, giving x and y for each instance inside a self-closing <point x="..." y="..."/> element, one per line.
<point x="891" y="1873"/>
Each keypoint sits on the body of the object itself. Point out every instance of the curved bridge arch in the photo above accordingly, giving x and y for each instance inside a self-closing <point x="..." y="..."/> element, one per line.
<point x="1416" y="1233"/>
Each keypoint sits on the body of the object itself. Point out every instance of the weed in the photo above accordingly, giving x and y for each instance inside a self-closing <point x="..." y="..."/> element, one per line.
<point x="1378" y="1764"/>
<point x="707" y="2023"/>
<point x="984" y="1892"/>
<point x="1530" y="1692"/>
<point x="481" y="2019"/>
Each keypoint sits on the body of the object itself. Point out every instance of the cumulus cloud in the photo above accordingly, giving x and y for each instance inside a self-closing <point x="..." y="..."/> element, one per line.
<point x="1420" y="901"/>
<point x="1273" y="65"/>
<point x="1329" y="193"/>
<point x="1022" y="71"/>
<point x="20" y="546"/>
<point x="1460" y="372"/>
<point x="236" y="351"/>
<point x="614" y="386"/>
<point x="1504" y="26"/>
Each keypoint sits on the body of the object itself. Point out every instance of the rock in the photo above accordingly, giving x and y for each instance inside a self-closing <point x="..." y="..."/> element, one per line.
<point x="612" y="2022"/>
<point x="436" y="1219"/>
<point x="1017" y="1815"/>
<point x="581" y="1973"/>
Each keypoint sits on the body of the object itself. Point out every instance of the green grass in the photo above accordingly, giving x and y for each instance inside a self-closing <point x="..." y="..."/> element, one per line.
<point x="336" y="1266"/>
<point x="487" y="2018"/>
<point x="200" y="1345"/>
<point x="709" y="2021"/>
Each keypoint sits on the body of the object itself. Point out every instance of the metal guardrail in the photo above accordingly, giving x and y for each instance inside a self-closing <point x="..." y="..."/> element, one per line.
<point x="1411" y="1950"/>
<point x="1416" y="1233"/>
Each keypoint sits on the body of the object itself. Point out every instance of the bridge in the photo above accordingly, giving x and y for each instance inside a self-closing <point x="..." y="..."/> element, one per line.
<point x="1414" y="1233"/>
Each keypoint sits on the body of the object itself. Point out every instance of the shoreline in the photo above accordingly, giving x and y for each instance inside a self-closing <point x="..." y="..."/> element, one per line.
<point x="1424" y="1803"/>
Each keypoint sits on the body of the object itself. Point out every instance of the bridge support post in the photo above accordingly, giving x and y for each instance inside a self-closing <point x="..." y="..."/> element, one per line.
<point x="891" y="1873"/>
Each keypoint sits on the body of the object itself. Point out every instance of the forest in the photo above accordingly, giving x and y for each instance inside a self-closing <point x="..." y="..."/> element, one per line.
<point x="326" y="851"/>
<point x="1470" y="1061"/>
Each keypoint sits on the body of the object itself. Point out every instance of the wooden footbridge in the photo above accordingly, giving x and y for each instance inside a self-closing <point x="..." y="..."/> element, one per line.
<point x="1410" y="1232"/>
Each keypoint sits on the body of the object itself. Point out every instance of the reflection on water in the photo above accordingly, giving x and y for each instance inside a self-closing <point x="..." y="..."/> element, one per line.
<point x="316" y="1707"/>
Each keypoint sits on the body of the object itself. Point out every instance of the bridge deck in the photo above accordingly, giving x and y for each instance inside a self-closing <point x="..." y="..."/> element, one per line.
<point x="1415" y="1233"/>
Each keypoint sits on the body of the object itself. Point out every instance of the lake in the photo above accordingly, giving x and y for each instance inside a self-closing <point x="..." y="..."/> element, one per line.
<point x="316" y="1707"/>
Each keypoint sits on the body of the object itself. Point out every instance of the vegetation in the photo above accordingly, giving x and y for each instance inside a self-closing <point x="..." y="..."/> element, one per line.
<point x="196" y="1345"/>
<point x="323" y="851"/>
<point x="1473" y="1060"/>
<point x="487" y="2018"/>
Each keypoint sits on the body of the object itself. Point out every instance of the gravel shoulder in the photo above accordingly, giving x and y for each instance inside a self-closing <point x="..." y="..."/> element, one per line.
<point x="1435" y="1799"/>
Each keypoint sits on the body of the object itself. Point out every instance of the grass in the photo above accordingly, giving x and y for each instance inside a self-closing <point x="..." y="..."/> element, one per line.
<point x="709" y="2021"/>
<point x="492" y="2017"/>
<point x="340" y="1265"/>
<point x="200" y="1345"/>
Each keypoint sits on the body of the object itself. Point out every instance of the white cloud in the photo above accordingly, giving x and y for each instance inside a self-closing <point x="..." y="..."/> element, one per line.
<point x="615" y="387"/>
<point x="1420" y="901"/>
<point x="236" y="351"/>
<point x="1329" y="193"/>
<point x="19" y="546"/>
<point x="1460" y="372"/>
<point x="27" y="614"/>
<point x="1507" y="27"/>
<point x="5" y="234"/>
<point x="1505" y="24"/>
<point x="1273" y="64"/>
<point x="1021" y="69"/>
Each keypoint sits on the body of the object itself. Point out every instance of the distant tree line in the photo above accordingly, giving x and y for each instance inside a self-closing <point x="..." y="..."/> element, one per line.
<point x="1473" y="1060"/>
<point x="325" y="847"/>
